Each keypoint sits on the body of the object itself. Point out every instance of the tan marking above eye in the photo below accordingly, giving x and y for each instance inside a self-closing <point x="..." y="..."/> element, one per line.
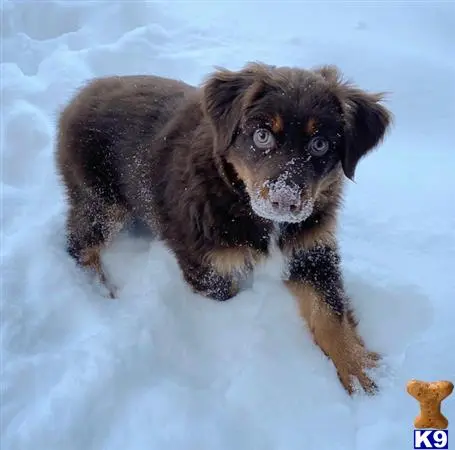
<point x="311" y="126"/>
<point x="277" y="124"/>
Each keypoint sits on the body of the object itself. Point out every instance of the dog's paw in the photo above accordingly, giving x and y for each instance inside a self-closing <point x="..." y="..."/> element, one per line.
<point x="220" y="289"/>
<point x="354" y="372"/>
<point x="220" y="295"/>
<point x="105" y="287"/>
<point x="111" y="292"/>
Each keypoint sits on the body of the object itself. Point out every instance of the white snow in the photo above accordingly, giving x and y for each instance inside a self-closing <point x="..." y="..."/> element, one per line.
<point x="162" y="368"/>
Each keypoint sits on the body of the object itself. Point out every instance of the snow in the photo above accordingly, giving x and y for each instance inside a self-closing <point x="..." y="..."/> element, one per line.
<point x="163" y="368"/>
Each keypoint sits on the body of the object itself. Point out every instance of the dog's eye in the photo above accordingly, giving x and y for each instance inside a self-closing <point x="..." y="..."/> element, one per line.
<point x="318" y="146"/>
<point x="263" y="138"/>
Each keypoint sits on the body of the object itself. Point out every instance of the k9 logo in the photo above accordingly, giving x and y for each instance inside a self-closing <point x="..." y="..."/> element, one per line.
<point x="431" y="439"/>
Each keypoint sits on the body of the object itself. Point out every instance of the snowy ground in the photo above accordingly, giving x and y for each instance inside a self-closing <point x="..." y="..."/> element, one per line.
<point x="161" y="368"/>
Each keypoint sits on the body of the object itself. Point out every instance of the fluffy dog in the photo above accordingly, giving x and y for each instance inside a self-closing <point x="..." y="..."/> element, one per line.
<point x="222" y="172"/>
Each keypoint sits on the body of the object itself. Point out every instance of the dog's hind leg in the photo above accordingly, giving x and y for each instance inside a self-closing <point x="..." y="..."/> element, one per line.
<point x="91" y="225"/>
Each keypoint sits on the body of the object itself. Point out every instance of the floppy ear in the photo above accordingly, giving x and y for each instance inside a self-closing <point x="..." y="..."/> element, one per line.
<point x="223" y="100"/>
<point x="366" y="119"/>
<point x="366" y="124"/>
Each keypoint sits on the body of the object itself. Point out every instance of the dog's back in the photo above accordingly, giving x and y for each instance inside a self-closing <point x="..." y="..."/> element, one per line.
<point x="101" y="129"/>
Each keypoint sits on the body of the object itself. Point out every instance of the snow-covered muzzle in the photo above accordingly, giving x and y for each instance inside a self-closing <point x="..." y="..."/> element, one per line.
<point x="282" y="200"/>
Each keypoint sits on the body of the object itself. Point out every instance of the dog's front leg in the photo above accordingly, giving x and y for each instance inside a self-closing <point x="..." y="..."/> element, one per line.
<point x="316" y="282"/>
<point x="206" y="281"/>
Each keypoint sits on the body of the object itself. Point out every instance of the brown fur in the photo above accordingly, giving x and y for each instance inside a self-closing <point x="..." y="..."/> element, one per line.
<point x="277" y="124"/>
<point x="215" y="170"/>
<point x="228" y="261"/>
<point x="310" y="127"/>
<point x="338" y="339"/>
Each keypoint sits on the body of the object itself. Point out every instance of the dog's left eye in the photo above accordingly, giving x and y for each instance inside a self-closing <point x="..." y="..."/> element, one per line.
<point x="318" y="146"/>
<point x="263" y="138"/>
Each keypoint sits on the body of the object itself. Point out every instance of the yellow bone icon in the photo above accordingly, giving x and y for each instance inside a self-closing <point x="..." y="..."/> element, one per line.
<point x="430" y="395"/>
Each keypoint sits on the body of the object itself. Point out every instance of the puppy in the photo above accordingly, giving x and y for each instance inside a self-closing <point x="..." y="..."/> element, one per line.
<point x="221" y="172"/>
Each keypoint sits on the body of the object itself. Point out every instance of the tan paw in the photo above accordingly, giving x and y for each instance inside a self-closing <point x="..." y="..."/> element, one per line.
<point x="354" y="367"/>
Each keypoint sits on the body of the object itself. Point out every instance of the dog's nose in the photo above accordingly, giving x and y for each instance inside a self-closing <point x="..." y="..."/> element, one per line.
<point x="285" y="200"/>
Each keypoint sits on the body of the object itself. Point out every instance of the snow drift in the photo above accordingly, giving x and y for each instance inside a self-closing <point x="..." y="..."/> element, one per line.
<point x="162" y="368"/>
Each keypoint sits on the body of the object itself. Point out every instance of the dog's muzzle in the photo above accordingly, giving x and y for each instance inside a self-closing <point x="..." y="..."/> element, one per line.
<point x="282" y="201"/>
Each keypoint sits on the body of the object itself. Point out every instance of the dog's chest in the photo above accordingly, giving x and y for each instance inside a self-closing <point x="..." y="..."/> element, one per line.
<point x="276" y="263"/>
<point x="242" y="231"/>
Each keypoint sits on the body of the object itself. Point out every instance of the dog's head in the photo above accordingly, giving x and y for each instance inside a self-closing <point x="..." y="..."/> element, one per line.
<point x="288" y="131"/>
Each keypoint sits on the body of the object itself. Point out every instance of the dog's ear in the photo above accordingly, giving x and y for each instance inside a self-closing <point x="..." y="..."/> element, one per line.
<point x="366" y="118"/>
<point x="367" y="121"/>
<point x="225" y="94"/>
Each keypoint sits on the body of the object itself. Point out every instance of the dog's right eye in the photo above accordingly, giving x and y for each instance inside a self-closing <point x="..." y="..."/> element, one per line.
<point x="263" y="138"/>
<point x="318" y="146"/>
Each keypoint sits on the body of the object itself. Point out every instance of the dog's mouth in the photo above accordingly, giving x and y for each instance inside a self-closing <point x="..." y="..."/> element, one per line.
<point x="281" y="202"/>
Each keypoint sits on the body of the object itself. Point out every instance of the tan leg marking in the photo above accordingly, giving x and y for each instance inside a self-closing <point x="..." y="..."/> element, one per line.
<point x="231" y="261"/>
<point x="81" y="224"/>
<point x="91" y="258"/>
<point x="337" y="337"/>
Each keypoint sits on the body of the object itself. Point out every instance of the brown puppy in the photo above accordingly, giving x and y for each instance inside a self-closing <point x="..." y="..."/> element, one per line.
<point x="251" y="159"/>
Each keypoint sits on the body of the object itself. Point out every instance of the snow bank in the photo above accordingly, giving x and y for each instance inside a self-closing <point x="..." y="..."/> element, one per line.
<point x="162" y="368"/>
